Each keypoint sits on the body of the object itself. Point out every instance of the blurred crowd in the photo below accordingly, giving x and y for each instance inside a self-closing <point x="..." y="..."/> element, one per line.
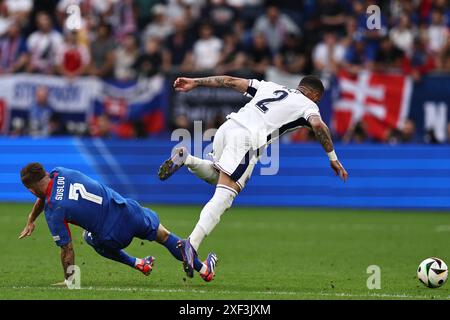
<point x="129" y="39"/>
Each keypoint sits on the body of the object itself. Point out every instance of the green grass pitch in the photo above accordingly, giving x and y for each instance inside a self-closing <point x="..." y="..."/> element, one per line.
<point x="264" y="253"/>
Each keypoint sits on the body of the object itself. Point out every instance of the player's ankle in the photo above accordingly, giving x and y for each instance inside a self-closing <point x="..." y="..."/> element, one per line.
<point x="137" y="262"/>
<point x="204" y="269"/>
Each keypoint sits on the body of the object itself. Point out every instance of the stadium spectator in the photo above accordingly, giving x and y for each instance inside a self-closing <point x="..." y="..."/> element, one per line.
<point x="221" y="15"/>
<point x="259" y="56"/>
<point x="144" y="12"/>
<point x="207" y="49"/>
<point x="13" y="50"/>
<point x="357" y="57"/>
<point x="177" y="46"/>
<point x="72" y="58"/>
<point x="160" y="27"/>
<point x="249" y="10"/>
<point x="351" y="33"/>
<point x="126" y="56"/>
<point x="19" y="10"/>
<point x="102" y="53"/>
<point x="356" y="133"/>
<point x="122" y="18"/>
<point x="55" y="126"/>
<point x="330" y="16"/>
<point x="149" y="62"/>
<point x="406" y="134"/>
<point x="5" y="19"/>
<point x="419" y="62"/>
<point x="437" y="32"/>
<point x="388" y="56"/>
<point x="328" y="54"/>
<point x="444" y="58"/>
<point x="402" y="35"/>
<point x="292" y="57"/>
<point x="101" y="127"/>
<point x="233" y="59"/>
<point x="43" y="45"/>
<point x="275" y="26"/>
<point x="40" y="113"/>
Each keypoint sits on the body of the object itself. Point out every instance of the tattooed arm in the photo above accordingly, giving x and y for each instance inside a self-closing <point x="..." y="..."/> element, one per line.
<point x="187" y="84"/>
<point x="67" y="258"/>
<point x="323" y="136"/>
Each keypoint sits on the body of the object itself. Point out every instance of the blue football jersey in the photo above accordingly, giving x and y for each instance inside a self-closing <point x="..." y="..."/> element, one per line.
<point x="72" y="197"/>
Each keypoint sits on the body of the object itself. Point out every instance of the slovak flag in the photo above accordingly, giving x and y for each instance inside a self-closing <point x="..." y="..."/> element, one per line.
<point x="379" y="100"/>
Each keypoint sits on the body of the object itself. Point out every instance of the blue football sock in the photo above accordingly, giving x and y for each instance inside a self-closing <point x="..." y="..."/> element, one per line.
<point x="171" y="245"/>
<point x="117" y="255"/>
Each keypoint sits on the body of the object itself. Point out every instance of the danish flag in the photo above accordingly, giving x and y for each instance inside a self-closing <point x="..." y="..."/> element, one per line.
<point x="379" y="100"/>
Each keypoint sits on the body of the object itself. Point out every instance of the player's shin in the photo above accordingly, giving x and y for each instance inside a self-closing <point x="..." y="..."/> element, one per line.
<point x="203" y="169"/>
<point x="211" y="213"/>
<point x="171" y="245"/>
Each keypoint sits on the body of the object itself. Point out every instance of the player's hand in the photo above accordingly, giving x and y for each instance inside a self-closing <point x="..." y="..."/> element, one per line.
<point x="28" y="230"/>
<point x="60" y="284"/>
<point x="184" y="84"/>
<point x="339" y="170"/>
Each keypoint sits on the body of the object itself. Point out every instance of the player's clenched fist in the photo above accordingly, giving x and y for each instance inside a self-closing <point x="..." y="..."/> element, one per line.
<point x="184" y="84"/>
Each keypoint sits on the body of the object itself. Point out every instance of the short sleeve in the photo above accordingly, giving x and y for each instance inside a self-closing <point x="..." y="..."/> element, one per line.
<point x="253" y="86"/>
<point x="309" y="111"/>
<point x="58" y="226"/>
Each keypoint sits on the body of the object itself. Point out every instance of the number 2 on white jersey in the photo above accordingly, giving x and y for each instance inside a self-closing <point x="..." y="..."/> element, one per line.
<point x="79" y="188"/>
<point x="280" y="95"/>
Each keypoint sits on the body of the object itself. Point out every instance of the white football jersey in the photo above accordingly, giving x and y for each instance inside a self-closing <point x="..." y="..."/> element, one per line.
<point x="273" y="111"/>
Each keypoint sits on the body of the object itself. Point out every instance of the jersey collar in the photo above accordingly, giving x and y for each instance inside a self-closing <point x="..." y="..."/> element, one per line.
<point x="48" y="191"/>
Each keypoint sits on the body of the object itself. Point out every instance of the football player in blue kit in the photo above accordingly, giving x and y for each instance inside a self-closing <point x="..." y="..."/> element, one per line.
<point x="110" y="221"/>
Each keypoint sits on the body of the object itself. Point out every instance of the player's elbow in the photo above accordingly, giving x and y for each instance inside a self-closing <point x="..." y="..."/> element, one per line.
<point x="316" y="123"/>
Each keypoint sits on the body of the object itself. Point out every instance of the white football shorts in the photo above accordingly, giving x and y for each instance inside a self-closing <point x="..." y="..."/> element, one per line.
<point x="233" y="153"/>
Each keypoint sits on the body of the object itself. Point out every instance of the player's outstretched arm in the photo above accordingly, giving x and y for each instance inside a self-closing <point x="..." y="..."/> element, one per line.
<point x="323" y="136"/>
<point x="187" y="84"/>
<point x="35" y="212"/>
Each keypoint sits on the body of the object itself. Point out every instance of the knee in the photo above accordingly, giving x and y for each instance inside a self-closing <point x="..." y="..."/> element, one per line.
<point x="162" y="234"/>
<point x="87" y="236"/>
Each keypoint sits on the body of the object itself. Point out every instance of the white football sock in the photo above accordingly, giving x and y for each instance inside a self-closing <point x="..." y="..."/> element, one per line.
<point x="203" y="169"/>
<point x="203" y="269"/>
<point x="210" y="215"/>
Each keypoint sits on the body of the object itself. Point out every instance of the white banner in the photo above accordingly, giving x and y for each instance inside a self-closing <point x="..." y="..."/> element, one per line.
<point x="65" y="95"/>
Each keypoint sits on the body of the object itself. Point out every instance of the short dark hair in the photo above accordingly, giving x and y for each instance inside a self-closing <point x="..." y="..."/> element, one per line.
<point x="32" y="173"/>
<point x="313" y="83"/>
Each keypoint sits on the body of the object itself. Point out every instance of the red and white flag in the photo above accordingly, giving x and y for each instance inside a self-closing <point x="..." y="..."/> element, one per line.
<point x="380" y="100"/>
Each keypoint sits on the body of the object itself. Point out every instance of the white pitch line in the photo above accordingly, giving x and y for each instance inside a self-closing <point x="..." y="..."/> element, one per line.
<point x="324" y="294"/>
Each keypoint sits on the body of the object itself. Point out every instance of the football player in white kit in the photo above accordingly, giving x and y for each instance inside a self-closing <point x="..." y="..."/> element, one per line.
<point x="238" y="143"/>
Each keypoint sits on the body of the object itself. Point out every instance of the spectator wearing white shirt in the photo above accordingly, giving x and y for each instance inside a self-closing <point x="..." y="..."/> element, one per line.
<point x="43" y="45"/>
<point x="437" y="32"/>
<point x="275" y="26"/>
<point x="160" y="27"/>
<point x="328" y="54"/>
<point x="207" y="49"/>
<point x="402" y="35"/>
<point x="19" y="10"/>
<point x="126" y="57"/>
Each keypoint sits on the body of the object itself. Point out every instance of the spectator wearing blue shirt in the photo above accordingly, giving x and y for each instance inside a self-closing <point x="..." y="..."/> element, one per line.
<point x="13" y="50"/>
<point x="40" y="114"/>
